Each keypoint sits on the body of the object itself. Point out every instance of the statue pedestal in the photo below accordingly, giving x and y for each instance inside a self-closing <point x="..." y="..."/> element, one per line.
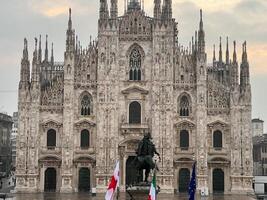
<point x="139" y="191"/>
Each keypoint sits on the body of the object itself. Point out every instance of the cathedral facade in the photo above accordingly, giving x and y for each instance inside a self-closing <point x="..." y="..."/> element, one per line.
<point x="77" y="118"/>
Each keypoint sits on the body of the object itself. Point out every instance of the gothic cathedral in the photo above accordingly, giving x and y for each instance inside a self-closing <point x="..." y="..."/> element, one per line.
<point x="77" y="118"/>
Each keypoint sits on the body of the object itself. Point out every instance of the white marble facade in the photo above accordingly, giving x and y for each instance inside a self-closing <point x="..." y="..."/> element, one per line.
<point x="134" y="78"/>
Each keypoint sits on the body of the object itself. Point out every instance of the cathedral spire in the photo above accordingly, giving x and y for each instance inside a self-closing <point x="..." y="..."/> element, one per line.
<point x="103" y="11"/>
<point x="25" y="64"/>
<point x="70" y="20"/>
<point x="244" y="54"/>
<point x="35" y="57"/>
<point x="25" y="50"/>
<point x="114" y="9"/>
<point x="40" y="50"/>
<point x="234" y="69"/>
<point x="167" y="9"/>
<point x="244" y="68"/>
<point x="227" y="52"/>
<point x="46" y="48"/>
<point x="35" y="64"/>
<point x="214" y="54"/>
<point x="201" y="21"/>
<point x="196" y="47"/>
<point x="234" y="54"/>
<point x="157" y="9"/>
<point x="201" y="35"/>
<point x="70" y="35"/>
<point x="220" y="51"/>
<point x="52" y="53"/>
<point x="133" y="5"/>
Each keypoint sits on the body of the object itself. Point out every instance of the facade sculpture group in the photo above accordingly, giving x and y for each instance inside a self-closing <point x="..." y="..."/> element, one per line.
<point x="78" y="117"/>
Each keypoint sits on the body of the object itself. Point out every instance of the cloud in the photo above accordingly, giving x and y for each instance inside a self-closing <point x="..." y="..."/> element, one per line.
<point x="54" y="8"/>
<point x="211" y="5"/>
<point x="257" y="57"/>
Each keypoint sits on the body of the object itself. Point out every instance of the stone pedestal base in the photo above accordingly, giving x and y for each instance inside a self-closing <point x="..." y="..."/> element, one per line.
<point x="66" y="186"/>
<point x="139" y="191"/>
<point x="26" y="183"/>
<point x="241" y="184"/>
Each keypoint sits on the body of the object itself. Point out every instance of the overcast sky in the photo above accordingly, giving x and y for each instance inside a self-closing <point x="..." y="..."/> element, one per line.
<point x="239" y="19"/>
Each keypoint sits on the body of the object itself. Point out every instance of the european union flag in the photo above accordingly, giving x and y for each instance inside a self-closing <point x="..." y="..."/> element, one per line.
<point x="192" y="185"/>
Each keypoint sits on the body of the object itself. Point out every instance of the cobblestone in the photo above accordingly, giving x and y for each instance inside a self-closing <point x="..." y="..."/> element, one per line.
<point x="80" y="196"/>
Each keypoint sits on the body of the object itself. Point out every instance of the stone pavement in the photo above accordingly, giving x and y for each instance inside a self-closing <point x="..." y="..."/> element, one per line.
<point x="80" y="196"/>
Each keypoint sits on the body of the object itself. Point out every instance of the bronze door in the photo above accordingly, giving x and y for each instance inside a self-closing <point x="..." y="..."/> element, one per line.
<point x="84" y="180"/>
<point x="218" y="181"/>
<point x="50" y="180"/>
<point x="184" y="179"/>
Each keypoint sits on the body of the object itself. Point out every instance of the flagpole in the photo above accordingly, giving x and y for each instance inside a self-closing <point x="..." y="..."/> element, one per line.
<point x="117" y="195"/>
<point x="156" y="183"/>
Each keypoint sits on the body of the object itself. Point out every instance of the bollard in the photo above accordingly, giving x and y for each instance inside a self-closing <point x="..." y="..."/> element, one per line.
<point x="93" y="192"/>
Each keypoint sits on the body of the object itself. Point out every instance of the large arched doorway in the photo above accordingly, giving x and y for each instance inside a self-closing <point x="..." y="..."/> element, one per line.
<point x="84" y="179"/>
<point x="218" y="180"/>
<point x="184" y="179"/>
<point x="50" y="180"/>
<point x="131" y="172"/>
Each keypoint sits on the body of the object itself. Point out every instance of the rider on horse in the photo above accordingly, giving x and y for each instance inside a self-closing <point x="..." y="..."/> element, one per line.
<point x="145" y="153"/>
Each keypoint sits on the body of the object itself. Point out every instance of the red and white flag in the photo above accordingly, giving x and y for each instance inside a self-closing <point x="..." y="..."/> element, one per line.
<point x="114" y="182"/>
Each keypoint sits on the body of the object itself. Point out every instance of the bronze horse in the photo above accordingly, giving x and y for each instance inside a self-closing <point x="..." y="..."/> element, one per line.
<point x="144" y="160"/>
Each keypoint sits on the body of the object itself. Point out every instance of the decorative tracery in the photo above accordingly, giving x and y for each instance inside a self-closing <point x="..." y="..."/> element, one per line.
<point x="184" y="106"/>
<point x="86" y="105"/>
<point x="135" y="65"/>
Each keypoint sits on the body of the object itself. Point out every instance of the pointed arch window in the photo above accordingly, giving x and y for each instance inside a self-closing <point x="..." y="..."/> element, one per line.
<point x="184" y="106"/>
<point x="86" y="105"/>
<point x="85" y="139"/>
<point x="135" y="113"/>
<point x="135" y="65"/>
<point x="51" y="139"/>
<point x="217" y="139"/>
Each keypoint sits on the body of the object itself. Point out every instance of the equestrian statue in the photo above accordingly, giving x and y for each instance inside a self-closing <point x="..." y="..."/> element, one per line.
<point x="144" y="160"/>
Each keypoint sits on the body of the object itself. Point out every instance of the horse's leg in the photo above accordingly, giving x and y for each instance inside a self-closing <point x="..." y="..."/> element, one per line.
<point x="147" y="173"/>
<point x="140" y="171"/>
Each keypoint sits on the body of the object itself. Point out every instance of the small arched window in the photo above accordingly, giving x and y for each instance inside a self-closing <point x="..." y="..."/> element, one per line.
<point x="85" y="139"/>
<point x="135" y="65"/>
<point x="86" y="105"/>
<point x="217" y="139"/>
<point x="135" y="113"/>
<point x="184" y="106"/>
<point x="51" y="139"/>
<point x="184" y="139"/>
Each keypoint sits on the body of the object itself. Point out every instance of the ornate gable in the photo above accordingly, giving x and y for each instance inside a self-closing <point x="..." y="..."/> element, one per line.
<point x="134" y="89"/>
<point x="185" y="124"/>
<point x="84" y="123"/>
<point x="135" y="26"/>
<point x="51" y="124"/>
<point x="218" y="123"/>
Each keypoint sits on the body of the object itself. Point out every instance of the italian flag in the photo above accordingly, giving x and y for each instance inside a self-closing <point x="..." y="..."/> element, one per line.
<point x="152" y="192"/>
<point x="113" y="183"/>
